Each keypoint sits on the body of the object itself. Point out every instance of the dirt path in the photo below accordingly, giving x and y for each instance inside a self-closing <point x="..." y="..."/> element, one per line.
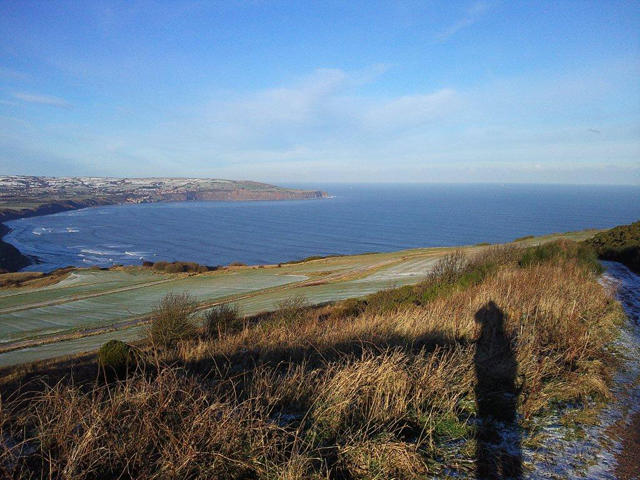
<point x="628" y="434"/>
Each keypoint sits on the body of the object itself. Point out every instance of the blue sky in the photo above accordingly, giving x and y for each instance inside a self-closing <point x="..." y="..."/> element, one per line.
<point x="402" y="91"/>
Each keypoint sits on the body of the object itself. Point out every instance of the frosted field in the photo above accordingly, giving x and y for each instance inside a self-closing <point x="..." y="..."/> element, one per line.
<point x="90" y="307"/>
<point x="116" y="299"/>
<point x="70" y="308"/>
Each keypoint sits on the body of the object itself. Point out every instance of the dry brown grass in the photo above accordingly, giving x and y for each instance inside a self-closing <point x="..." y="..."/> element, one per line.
<point x="33" y="279"/>
<point x="366" y="395"/>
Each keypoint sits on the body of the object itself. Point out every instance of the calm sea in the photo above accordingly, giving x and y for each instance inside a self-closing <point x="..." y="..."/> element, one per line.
<point x="356" y="219"/>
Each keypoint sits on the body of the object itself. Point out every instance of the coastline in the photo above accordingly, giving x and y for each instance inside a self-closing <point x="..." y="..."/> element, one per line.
<point x="12" y="260"/>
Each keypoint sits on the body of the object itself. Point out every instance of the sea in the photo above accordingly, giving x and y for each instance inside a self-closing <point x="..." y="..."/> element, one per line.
<point x="354" y="219"/>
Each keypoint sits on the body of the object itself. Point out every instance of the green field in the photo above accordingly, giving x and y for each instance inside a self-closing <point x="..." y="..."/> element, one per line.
<point x="92" y="306"/>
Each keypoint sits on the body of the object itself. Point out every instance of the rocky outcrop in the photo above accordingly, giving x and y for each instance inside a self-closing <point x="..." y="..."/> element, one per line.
<point x="11" y="260"/>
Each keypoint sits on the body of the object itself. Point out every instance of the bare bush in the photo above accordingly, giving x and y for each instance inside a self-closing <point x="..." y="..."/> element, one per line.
<point x="451" y="266"/>
<point x="291" y="309"/>
<point x="172" y="319"/>
<point x="222" y="320"/>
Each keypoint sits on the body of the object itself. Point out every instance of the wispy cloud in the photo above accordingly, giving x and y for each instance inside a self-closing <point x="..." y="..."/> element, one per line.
<point x="327" y="125"/>
<point x="413" y="110"/>
<point x="327" y="103"/>
<point x="49" y="100"/>
<point x="472" y="15"/>
<point x="11" y="74"/>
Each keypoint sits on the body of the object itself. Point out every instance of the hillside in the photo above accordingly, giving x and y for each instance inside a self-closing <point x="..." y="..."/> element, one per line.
<point x="497" y="361"/>
<point x="20" y="195"/>
<point x="98" y="305"/>
<point x="619" y="244"/>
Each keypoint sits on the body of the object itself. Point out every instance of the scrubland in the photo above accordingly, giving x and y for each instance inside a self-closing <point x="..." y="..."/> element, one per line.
<point x="413" y="382"/>
<point x="620" y="244"/>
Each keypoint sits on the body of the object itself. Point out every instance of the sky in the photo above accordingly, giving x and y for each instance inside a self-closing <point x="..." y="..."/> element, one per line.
<point x="507" y="91"/>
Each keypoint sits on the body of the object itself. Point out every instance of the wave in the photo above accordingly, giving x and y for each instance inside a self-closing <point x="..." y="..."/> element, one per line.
<point x="139" y="255"/>
<point x="102" y="253"/>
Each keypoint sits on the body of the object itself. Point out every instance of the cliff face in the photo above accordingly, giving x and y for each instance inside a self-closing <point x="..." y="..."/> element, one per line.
<point x="246" y="195"/>
<point x="50" y="208"/>
<point x="11" y="260"/>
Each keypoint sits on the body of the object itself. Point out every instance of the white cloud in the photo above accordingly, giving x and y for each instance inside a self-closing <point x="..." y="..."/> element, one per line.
<point x="324" y="105"/>
<point x="326" y="126"/>
<point x="472" y="15"/>
<point x="42" y="99"/>
<point x="295" y="105"/>
<point x="413" y="110"/>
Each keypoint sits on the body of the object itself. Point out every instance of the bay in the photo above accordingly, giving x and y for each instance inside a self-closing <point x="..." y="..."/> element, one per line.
<point x="355" y="219"/>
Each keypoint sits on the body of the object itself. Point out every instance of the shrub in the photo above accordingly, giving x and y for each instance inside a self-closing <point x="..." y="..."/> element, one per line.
<point x="451" y="266"/>
<point x="114" y="355"/>
<point x="620" y="244"/>
<point x="497" y="254"/>
<point x="522" y="239"/>
<point x="147" y="264"/>
<point x="237" y="264"/>
<point x="290" y="309"/>
<point x="561" y="250"/>
<point x="174" y="268"/>
<point x="181" y="267"/>
<point x="222" y="319"/>
<point x="171" y="319"/>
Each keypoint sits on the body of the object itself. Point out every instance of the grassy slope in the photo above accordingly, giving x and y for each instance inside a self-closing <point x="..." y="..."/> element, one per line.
<point x="385" y="387"/>
<point x="114" y="299"/>
<point x="620" y="244"/>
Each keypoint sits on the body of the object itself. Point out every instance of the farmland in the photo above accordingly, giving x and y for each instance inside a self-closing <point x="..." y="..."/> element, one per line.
<point x="90" y="307"/>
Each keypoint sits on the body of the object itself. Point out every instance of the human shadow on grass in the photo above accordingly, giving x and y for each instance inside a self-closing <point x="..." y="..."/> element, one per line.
<point x="498" y="452"/>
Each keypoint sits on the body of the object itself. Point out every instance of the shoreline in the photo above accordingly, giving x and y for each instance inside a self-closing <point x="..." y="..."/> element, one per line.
<point x="13" y="260"/>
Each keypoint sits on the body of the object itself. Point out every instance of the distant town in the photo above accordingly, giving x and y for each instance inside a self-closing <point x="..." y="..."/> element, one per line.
<point x="26" y="191"/>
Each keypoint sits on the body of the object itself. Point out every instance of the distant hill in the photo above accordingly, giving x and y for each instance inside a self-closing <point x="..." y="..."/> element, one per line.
<point x="20" y="194"/>
<point x="620" y="244"/>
